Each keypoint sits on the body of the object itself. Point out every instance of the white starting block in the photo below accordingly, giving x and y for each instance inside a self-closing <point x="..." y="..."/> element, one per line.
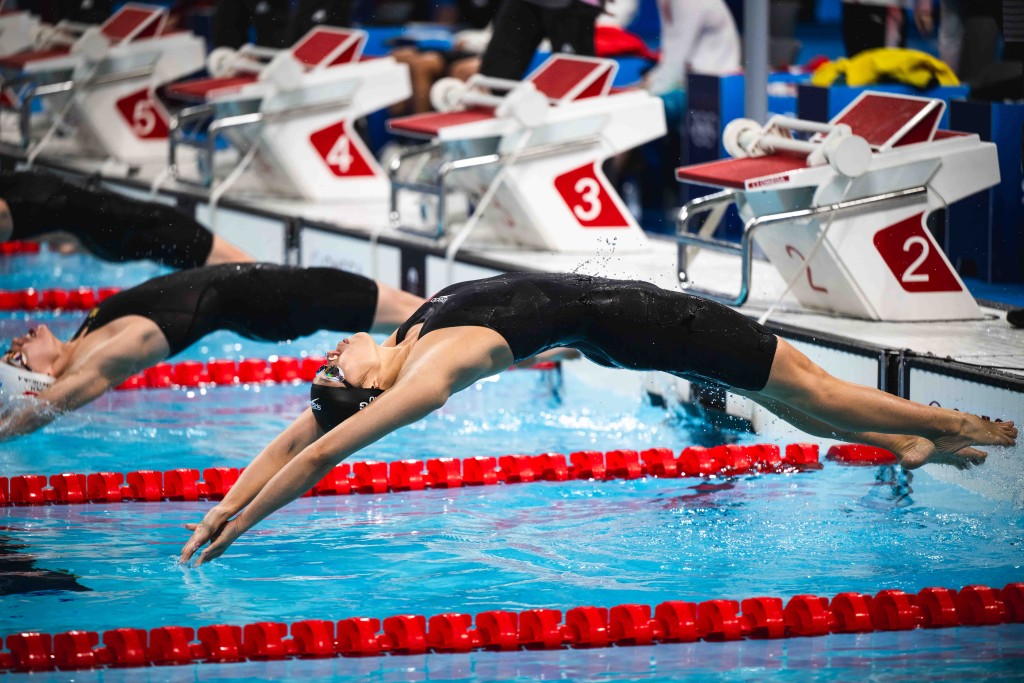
<point x="102" y="84"/>
<point x="529" y="159"/>
<point x="292" y="114"/>
<point x="19" y="30"/>
<point x="847" y="208"/>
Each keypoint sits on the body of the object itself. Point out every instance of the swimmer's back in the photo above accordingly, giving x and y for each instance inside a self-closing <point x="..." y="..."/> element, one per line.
<point x="260" y="301"/>
<point x="617" y="323"/>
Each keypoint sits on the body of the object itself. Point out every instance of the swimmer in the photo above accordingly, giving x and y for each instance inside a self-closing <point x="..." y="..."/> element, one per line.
<point x="472" y="330"/>
<point x="110" y="225"/>
<point x="141" y="326"/>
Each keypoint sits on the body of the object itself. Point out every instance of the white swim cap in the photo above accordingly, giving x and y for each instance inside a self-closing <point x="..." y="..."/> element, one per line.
<point x="20" y="382"/>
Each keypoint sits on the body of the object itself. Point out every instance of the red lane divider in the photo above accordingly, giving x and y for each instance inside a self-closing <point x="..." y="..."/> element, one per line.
<point x="674" y="621"/>
<point x="414" y="475"/>
<point x="31" y="299"/>
<point x="857" y="454"/>
<point x="18" y="247"/>
<point x="191" y="374"/>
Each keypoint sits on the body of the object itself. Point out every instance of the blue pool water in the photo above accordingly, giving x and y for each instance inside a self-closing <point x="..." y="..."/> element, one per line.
<point x="512" y="547"/>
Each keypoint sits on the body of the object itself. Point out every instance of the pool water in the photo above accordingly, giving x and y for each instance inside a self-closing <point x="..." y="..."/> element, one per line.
<point x="513" y="547"/>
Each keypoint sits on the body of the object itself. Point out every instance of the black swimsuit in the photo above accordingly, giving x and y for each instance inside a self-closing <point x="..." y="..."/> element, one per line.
<point x="256" y="300"/>
<point x="110" y="225"/>
<point x="616" y="323"/>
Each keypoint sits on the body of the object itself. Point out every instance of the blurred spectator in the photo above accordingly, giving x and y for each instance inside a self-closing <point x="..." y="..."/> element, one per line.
<point x="698" y="36"/>
<point x="461" y="61"/>
<point x="870" y="24"/>
<point x="521" y="25"/>
<point x="237" y="22"/>
<point x="82" y="11"/>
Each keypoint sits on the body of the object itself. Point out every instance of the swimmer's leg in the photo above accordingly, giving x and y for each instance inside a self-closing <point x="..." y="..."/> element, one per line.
<point x="6" y="224"/>
<point x="223" y="251"/>
<point x="394" y="306"/>
<point x="911" y="451"/>
<point x="798" y="382"/>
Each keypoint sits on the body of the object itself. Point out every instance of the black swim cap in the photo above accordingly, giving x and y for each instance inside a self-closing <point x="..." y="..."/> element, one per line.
<point x="333" y="405"/>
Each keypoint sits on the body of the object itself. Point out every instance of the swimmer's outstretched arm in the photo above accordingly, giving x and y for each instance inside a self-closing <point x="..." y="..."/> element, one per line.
<point x="438" y="367"/>
<point x="66" y="394"/>
<point x="278" y="453"/>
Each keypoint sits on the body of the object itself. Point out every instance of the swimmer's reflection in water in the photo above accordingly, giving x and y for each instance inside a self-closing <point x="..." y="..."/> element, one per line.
<point x="19" y="573"/>
<point x="472" y="330"/>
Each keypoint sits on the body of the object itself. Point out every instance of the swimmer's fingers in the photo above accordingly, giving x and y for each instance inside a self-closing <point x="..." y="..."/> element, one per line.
<point x="224" y="538"/>
<point x="201" y="533"/>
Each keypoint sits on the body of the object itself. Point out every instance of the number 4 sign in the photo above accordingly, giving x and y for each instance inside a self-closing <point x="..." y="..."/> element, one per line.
<point x="145" y="118"/>
<point x="342" y="154"/>
<point x="588" y="199"/>
<point x="913" y="259"/>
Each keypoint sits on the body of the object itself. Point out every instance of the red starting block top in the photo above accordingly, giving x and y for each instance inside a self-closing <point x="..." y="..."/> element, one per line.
<point x="736" y="172"/>
<point x="567" y="77"/>
<point x="329" y="46"/>
<point x="20" y="60"/>
<point x="134" y="21"/>
<point x="430" y="124"/>
<point x="888" y="121"/>
<point x="203" y="89"/>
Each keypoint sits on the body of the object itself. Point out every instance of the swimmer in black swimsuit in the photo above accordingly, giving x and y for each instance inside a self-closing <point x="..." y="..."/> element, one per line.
<point x="143" y="325"/>
<point x="476" y="329"/>
<point x="110" y="225"/>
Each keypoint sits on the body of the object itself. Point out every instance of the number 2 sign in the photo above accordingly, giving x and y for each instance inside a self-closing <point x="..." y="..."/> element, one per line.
<point x="145" y="118"/>
<point x="587" y="198"/>
<point x="913" y="259"/>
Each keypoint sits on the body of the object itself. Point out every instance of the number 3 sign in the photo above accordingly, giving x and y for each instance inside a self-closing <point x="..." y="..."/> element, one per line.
<point x="588" y="200"/>
<point x="913" y="260"/>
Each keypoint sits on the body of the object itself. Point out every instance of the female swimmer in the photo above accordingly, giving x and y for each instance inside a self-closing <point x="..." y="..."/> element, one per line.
<point x="475" y="329"/>
<point x="110" y="225"/>
<point x="141" y="326"/>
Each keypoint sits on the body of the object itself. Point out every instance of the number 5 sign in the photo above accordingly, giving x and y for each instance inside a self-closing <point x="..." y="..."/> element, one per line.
<point x="913" y="259"/>
<point x="585" y="195"/>
<point x="342" y="154"/>
<point x="144" y="116"/>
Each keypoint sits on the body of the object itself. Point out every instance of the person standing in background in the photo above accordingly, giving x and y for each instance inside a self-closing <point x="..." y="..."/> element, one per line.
<point x="698" y="36"/>
<point x="521" y="25"/>
<point x="870" y="24"/>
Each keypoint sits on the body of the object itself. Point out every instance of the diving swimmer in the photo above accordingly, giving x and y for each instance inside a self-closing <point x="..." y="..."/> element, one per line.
<point x="472" y="330"/>
<point x="110" y="225"/>
<point x="143" y="325"/>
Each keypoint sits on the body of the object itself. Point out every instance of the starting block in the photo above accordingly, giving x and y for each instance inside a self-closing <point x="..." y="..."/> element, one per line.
<point x="19" y="30"/>
<point x="527" y="156"/>
<point x="291" y="113"/>
<point x="843" y="214"/>
<point x="99" y="81"/>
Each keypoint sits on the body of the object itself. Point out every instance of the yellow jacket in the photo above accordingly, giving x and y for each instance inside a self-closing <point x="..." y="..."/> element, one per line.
<point x="886" y="65"/>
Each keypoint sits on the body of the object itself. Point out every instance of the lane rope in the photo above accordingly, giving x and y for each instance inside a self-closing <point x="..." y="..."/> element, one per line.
<point x="374" y="477"/>
<point x="673" y="621"/>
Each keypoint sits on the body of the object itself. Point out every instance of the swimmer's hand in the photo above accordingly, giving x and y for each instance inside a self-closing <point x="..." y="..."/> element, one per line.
<point x="216" y="529"/>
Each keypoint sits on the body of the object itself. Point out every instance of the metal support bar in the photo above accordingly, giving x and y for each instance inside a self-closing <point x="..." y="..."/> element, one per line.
<point x="746" y="247"/>
<point x="440" y="190"/>
<point x="207" y="112"/>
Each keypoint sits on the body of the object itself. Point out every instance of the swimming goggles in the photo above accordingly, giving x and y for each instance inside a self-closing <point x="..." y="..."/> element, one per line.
<point x="18" y="360"/>
<point x="334" y="374"/>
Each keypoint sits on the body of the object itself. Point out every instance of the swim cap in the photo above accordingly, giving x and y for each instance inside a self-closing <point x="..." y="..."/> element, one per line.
<point x="21" y="382"/>
<point x="333" y="405"/>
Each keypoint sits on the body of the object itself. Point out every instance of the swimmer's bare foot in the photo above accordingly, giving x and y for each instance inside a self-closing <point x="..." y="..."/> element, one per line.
<point x="914" y="451"/>
<point x="977" y="431"/>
